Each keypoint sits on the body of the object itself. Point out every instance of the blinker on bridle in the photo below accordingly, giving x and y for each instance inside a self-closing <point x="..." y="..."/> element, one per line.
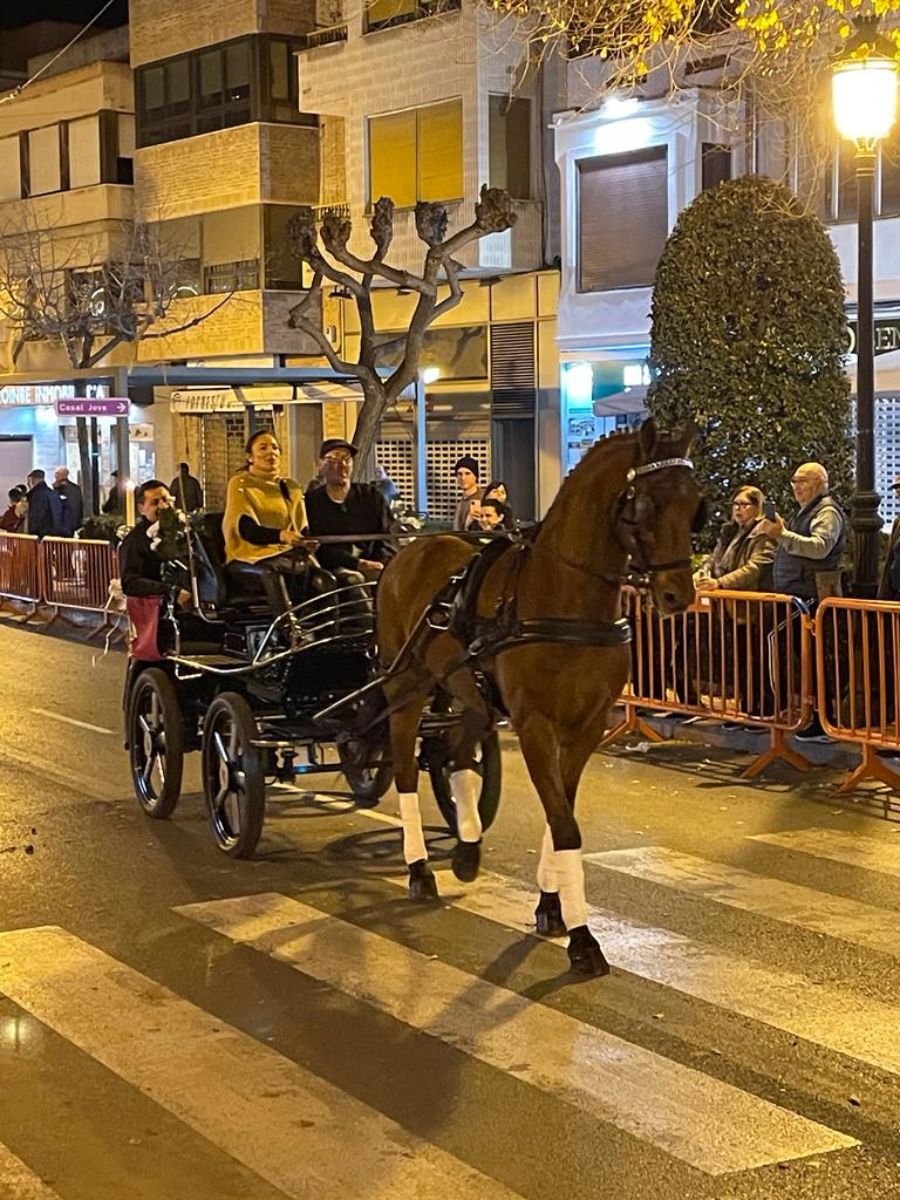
<point x="626" y="501"/>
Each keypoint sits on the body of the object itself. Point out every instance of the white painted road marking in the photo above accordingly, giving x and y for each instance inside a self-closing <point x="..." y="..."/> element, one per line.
<point x="790" y="903"/>
<point x="830" y="1016"/>
<point x="18" y="1183"/>
<point x="711" y="1125"/>
<point x="55" y="716"/>
<point x="298" y="1132"/>
<point x="872" y="854"/>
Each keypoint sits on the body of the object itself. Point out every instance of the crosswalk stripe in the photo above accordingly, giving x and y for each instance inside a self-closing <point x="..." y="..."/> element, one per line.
<point x="17" y="1182"/>
<point x="872" y="854"/>
<point x="790" y="903"/>
<point x="783" y="999"/>
<point x="286" y="1124"/>
<point x="709" y="1124"/>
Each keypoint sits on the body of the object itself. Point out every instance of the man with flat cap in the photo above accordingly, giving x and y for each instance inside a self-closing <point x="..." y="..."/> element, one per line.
<point x="341" y="506"/>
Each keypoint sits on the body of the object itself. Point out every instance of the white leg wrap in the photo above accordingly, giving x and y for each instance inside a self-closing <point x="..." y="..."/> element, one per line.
<point x="570" y="876"/>
<point x="546" y="872"/>
<point x="413" y="836"/>
<point x="466" y="789"/>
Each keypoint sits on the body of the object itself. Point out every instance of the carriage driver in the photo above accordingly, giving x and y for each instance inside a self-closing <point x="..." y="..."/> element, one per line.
<point x="264" y="524"/>
<point x="140" y="567"/>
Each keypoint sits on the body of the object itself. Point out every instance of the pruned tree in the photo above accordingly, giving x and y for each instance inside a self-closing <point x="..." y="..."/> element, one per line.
<point x="333" y="261"/>
<point x="89" y="297"/>
<point x="748" y="339"/>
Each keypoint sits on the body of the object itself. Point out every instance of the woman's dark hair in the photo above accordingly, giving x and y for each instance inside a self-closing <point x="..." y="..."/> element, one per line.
<point x="17" y="492"/>
<point x="254" y="438"/>
<point x="492" y="487"/>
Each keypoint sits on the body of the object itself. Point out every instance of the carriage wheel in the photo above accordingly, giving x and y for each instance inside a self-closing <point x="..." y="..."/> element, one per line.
<point x="156" y="742"/>
<point x="234" y="783"/>
<point x="487" y="764"/>
<point x="365" y="770"/>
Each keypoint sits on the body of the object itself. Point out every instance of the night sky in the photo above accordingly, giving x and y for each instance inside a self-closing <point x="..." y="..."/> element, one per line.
<point x="14" y="15"/>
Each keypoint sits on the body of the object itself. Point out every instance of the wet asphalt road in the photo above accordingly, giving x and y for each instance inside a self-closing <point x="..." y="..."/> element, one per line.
<point x="747" y="1043"/>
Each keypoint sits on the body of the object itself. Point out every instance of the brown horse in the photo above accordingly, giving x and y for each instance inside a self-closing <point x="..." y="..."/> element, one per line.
<point x="547" y="613"/>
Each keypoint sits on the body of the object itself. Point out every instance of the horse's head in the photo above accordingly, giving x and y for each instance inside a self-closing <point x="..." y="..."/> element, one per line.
<point x="658" y="510"/>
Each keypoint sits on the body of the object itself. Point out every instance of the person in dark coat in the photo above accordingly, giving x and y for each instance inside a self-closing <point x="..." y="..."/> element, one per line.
<point x="72" y="500"/>
<point x="343" y="507"/>
<point x="140" y="567"/>
<point x="44" y="515"/>
<point x="115" y="501"/>
<point x="187" y="490"/>
<point x="889" y="584"/>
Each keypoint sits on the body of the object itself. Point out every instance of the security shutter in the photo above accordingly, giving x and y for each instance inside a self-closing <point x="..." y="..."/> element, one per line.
<point x="439" y="146"/>
<point x="622" y="218"/>
<point x="513" y="391"/>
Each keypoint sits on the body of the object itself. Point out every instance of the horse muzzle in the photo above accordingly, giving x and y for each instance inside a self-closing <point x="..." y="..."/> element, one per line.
<point x="672" y="590"/>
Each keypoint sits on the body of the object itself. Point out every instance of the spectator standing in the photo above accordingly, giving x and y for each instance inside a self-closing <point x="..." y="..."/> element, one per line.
<point x="889" y="584"/>
<point x="115" y="501"/>
<point x="466" y="471"/>
<point x="72" y="500"/>
<point x="187" y="490"/>
<point x="341" y="506"/>
<point x="386" y="485"/>
<point x="13" y="520"/>
<point x="44" y="514"/>
<point x="740" y="561"/>
<point x="808" y="549"/>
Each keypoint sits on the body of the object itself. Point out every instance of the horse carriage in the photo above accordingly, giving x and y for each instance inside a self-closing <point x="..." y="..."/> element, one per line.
<point x="273" y="699"/>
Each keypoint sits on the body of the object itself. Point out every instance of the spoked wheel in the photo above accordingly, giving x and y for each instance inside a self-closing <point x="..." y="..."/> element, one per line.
<point x="487" y="764"/>
<point x="234" y="783"/>
<point x="365" y="770"/>
<point x="155" y="742"/>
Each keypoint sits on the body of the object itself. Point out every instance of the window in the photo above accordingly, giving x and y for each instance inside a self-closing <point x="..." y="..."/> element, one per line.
<point x="382" y="14"/>
<point x="44" y="173"/>
<point x="417" y="154"/>
<point x="84" y="152"/>
<point x="622" y="218"/>
<point x="124" y="172"/>
<point x="715" y="165"/>
<point x="510" y="145"/>
<point x="250" y="79"/>
<point x="282" y="270"/>
<point x="10" y="169"/>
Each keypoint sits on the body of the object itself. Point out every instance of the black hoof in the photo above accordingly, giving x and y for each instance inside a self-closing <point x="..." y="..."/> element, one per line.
<point x="422" y="884"/>
<point x="585" y="955"/>
<point x="466" y="861"/>
<point x="548" y="919"/>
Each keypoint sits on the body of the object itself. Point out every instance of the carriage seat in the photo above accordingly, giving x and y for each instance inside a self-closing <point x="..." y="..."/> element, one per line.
<point x="216" y="589"/>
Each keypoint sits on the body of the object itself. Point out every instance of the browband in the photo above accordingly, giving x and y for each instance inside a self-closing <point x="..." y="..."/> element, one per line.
<point x="649" y="468"/>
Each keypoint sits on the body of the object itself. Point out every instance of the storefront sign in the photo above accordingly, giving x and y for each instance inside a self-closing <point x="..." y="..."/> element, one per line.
<point x="205" y="402"/>
<point x="25" y="395"/>
<point x="85" y="406"/>
<point x="885" y="335"/>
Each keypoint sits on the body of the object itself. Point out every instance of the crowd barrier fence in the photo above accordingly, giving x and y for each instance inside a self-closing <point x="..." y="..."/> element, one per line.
<point x="743" y="657"/>
<point x="858" y="682"/>
<point x="76" y="573"/>
<point x="20" y="569"/>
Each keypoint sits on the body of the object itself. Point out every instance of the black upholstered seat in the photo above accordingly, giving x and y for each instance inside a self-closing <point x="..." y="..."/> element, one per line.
<point x="217" y="589"/>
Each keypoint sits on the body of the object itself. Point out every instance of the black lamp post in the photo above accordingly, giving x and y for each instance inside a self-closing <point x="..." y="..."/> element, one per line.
<point x="864" y="94"/>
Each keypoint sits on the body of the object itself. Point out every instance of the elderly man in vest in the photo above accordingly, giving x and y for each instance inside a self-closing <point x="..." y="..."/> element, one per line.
<point x="808" y="548"/>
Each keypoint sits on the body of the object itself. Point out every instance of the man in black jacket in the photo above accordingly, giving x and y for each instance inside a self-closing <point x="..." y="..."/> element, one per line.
<point x="341" y="506"/>
<point x="44" y="508"/>
<point x="71" y="498"/>
<point x="140" y="567"/>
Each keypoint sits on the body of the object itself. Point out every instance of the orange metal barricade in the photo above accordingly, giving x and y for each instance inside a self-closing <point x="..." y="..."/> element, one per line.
<point x="857" y="677"/>
<point x="19" y="570"/>
<point x="76" y="573"/>
<point x="739" y="656"/>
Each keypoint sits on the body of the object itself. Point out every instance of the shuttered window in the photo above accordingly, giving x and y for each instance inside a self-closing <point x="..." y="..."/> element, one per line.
<point x="417" y="154"/>
<point x="622" y="218"/>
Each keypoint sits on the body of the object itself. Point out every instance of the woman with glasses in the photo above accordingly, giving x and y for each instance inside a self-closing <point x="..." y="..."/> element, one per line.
<point x="740" y="562"/>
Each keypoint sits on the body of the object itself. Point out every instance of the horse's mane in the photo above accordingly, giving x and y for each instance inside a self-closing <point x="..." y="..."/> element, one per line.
<point x="591" y="460"/>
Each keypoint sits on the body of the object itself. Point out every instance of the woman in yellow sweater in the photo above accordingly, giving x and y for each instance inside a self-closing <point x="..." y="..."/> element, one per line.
<point x="263" y="525"/>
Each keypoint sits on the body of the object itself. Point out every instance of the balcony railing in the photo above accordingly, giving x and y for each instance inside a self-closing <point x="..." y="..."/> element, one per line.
<point x="330" y="210"/>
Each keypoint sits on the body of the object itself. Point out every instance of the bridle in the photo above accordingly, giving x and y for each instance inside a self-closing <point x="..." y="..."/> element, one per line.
<point x="627" y="525"/>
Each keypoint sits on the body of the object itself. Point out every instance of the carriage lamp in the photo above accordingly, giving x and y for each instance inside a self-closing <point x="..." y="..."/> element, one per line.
<point x="864" y="96"/>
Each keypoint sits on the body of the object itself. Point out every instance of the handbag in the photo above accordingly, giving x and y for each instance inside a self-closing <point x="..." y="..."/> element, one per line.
<point x="143" y="620"/>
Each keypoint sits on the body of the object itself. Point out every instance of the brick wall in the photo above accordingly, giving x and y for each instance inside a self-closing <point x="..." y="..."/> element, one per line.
<point x="159" y="28"/>
<point x="289" y="164"/>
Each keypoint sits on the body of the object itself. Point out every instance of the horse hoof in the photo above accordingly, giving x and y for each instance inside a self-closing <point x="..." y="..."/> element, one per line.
<point x="422" y="884"/>
<point x="548" y="921"/>
<point x="585" y="955"/>
<point x="466" y="861"/>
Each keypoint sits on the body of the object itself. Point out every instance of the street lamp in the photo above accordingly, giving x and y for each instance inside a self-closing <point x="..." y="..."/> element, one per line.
<point x="864" y="95"/>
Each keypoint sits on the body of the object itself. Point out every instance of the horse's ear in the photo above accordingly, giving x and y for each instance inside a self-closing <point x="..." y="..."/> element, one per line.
<point x="647" y="439"/>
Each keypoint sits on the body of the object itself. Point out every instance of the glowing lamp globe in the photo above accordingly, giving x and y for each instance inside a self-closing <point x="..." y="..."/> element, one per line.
<point x="864" y="96"/>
